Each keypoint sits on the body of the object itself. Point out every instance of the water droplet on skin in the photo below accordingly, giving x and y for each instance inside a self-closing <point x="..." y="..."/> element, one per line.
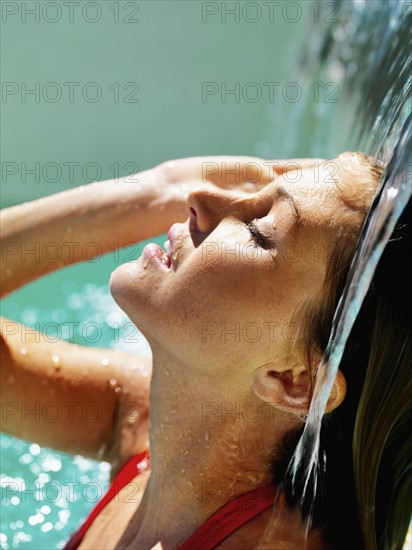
<point x="69" y="229"/>
<point x="133" y="418"/>
<point x="182" y="471"/>
<point x="113" y="382"/>
<point x="145" y="263"/>
<point x="56" y="361"/>
<point x="23" y="351"/>
<point x="174" y="255"/>
<point x="118" y="389"/>
<point x="186" y="452"/>
<point x="105" y="361"/>
<point x="101" y="451"/>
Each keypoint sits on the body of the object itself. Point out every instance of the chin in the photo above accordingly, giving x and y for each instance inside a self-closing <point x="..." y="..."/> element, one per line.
<point x="133" y="293"/>
<point x="124" y="287"/>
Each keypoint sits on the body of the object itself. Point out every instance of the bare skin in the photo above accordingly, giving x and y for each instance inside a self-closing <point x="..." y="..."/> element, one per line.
<point x="105" y="213"/>
<point x="199" y="461"/>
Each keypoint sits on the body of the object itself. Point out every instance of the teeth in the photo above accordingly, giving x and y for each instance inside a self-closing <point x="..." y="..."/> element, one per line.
<point x="167" y="246"/>
<point x="166" y="260"/>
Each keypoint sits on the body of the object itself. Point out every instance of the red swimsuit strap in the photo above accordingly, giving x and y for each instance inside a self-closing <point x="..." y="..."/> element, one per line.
<point x="136" y="465"/>
<point x="223" y="523"/>
<point x="230" y="517"/>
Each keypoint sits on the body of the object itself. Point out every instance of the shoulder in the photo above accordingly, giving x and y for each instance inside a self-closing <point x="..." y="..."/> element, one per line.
<point x="130" y="435"/>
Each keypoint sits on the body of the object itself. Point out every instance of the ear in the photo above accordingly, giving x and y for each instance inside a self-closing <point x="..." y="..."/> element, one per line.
<point x="338" y="393"/>
<point x="286" y="385"/>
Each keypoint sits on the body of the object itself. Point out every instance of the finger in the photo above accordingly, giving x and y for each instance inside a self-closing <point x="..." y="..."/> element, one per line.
<point x="223" y="171"/>
<point x="286" y="165"/>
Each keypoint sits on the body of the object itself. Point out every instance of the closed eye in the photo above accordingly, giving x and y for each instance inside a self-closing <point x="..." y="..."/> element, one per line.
<point x="256" y="236"/>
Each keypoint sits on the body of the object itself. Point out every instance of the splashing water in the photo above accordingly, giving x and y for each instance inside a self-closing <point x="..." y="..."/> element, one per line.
<point x="383" y="101"/>
<point x="301" y="481"/>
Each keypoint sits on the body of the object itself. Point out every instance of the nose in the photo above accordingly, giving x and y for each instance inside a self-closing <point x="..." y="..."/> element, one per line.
<point x="207" y="207"/>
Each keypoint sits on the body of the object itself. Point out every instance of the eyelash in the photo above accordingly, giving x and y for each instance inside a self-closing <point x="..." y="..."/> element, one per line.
<point x="256" y="237"/>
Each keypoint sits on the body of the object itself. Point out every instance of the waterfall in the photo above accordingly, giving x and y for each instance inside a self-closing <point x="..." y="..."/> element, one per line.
<point x="367" y="50"/>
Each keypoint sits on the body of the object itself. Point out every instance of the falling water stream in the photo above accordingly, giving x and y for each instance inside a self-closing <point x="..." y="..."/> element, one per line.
<point x="369" y="43"/>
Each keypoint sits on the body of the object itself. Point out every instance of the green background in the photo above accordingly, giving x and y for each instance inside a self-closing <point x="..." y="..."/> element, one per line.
<point x="168" y="53"/>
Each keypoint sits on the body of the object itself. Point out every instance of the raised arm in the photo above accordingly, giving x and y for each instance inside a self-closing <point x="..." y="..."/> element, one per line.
<point x="73" y="398"/>
<point x="72" y="226"/>
<point x="88" y="401"/>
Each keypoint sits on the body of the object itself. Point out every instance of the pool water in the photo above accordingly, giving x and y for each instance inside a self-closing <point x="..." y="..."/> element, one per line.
<point x="45" y="494"/>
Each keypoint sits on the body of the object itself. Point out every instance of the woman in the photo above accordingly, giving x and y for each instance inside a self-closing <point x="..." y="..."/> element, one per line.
<point x="237" y="311"/>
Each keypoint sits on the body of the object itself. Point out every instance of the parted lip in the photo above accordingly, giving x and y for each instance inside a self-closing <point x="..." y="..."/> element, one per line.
<point x="155" y="252"/>
<point x="174" y="237"/>
<point x="177" y="236"/>
<point x="167" y="256"/>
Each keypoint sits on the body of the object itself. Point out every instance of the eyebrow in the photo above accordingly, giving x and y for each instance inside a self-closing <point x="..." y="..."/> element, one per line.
<point x="282" y="194"/>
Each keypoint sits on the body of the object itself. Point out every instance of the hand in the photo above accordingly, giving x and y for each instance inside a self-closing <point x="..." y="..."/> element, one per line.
<point x="247" y="174"/>
<point x="227" y="172"/>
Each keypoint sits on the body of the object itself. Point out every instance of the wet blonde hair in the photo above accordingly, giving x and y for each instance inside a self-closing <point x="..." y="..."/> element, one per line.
<point x="367" y="439"/>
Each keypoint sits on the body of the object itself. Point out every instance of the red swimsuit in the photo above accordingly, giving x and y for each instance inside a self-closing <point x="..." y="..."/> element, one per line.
<point x="223" y="523"/>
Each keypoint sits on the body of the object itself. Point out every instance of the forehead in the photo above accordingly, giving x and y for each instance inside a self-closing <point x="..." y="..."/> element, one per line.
<point x="334" y="192"/>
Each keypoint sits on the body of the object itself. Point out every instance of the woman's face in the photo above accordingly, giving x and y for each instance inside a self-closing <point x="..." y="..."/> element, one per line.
<point x="242" y="265"/>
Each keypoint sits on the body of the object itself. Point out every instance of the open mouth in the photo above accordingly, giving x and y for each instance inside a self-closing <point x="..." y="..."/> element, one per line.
<point x="166" y="257"/>
<point x="155" y="252"/>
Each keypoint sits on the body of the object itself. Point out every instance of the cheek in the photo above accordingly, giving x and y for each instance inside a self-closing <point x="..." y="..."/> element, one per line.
<point x="230" y="307"/>
<point x="223" y="284"/>
<point x="232" y="310"/>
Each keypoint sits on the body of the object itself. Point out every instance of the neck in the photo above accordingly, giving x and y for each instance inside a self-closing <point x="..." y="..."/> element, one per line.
<point x="207" y="447"/>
